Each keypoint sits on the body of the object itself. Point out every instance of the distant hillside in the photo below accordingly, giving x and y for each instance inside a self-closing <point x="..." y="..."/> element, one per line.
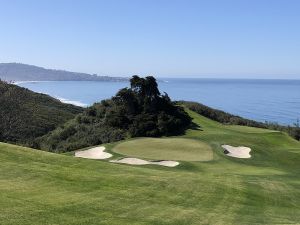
<point x="25" y="115"/>
<point x="23" y="72"/>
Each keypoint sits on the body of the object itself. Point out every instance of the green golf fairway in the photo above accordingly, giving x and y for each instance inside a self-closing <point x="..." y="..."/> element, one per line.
<point x="182" y="149"/>
<point x="38" y="187"/>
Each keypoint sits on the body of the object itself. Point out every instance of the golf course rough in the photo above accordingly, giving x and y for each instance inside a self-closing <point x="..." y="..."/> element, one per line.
<point x="39" y="187"/>
<point x="181" y="149"/>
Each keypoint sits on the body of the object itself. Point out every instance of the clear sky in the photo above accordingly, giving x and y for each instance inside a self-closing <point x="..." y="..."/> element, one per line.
<point x="171" y="38"/>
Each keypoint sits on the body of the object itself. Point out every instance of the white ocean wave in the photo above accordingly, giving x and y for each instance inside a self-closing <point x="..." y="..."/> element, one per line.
<point x="77" y="103"/>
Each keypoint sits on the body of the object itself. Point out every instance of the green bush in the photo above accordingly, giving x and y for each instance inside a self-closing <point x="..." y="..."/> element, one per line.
<point x="135" y="112"/>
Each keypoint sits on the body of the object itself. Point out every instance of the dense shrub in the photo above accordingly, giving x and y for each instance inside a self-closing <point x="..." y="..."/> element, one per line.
<point x="136" y="111"/>
<point x="221" y="116"/>
<point x="25" y="115"/>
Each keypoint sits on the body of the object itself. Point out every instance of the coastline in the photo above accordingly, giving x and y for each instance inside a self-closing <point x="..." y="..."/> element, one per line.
<point x="73" y="102"/>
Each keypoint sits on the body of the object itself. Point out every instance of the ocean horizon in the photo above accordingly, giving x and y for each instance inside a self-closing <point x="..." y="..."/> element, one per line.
<point x="272" y="100"/>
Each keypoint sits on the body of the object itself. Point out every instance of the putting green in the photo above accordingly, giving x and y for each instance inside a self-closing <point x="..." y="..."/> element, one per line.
<point x="182" y="149"/>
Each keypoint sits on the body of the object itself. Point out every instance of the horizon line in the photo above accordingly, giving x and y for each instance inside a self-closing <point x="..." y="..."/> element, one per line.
<point x="170" y="76"/>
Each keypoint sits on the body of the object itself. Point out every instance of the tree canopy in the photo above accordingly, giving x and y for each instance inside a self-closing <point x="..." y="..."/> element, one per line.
<point x="145" y="112"/>
<point x="138" y="111"/>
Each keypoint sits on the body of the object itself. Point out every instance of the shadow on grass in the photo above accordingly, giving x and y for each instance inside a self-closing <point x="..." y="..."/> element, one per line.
<point x="195" y="126"/>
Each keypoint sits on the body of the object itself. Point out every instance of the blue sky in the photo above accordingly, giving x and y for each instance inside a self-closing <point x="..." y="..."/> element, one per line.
<point x="171" y="38"/>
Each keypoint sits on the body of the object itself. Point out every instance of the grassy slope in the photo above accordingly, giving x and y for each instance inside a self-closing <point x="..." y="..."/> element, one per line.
<point x="44" y="188"/>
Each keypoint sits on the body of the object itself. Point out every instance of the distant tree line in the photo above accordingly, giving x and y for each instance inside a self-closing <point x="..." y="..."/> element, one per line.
<point x="227" y="118"/>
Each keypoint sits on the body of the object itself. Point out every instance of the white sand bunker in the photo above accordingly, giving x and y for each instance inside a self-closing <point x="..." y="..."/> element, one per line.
<point x="136" y="161"/>
<point x="93" y="153"/>
<point x="237" y="152"/>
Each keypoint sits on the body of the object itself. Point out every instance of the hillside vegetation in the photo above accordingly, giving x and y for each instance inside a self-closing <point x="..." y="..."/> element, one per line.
<point x="227" y="118"/>
<point x="44" y="188"/>
<point x="25" y="115"/>
<point x="138" y="111"/>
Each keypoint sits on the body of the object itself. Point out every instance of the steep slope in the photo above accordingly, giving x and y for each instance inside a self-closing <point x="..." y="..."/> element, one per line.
<point x="25" y="115"/>
<point x="23" y="72"/>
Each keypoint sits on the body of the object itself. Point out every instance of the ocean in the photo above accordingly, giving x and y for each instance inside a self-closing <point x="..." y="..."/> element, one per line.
<point x="261" y="100"/>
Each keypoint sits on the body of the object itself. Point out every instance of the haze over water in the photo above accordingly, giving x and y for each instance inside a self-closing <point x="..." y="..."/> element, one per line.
<point x="261" y="100"/>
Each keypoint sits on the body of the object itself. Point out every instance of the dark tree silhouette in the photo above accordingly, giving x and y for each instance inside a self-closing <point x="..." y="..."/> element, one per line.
<point x="147" y="112"/>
